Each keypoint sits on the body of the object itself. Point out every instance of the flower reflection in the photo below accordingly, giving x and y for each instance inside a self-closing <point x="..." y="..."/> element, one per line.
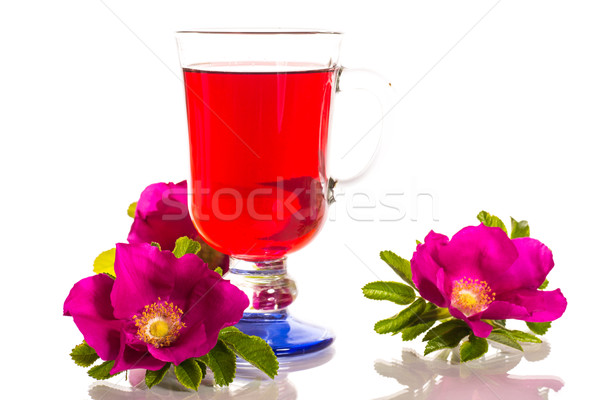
<point x="483" y="379"/>
<point x="241" y="389"/>
<point x="250" y="383"/>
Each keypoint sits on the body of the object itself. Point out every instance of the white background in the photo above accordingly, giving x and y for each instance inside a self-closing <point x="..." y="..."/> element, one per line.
<point x="497" y="113"/>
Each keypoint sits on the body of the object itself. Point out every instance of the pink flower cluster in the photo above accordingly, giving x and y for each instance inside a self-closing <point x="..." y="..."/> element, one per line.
<point x="159" y="308"/>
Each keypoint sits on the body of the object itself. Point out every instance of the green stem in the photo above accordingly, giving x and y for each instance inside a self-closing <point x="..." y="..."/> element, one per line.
<point x="434" y="315"/>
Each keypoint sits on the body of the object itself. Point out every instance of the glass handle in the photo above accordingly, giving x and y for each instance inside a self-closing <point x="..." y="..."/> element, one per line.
<point x="350" y="79"/>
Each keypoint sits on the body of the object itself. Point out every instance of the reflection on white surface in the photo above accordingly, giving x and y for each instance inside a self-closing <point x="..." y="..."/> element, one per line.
<point x="288" y="364"/>
<point x="241" y="389"/>
<point x="483" y="379"/>
<point x="250" y="383"/>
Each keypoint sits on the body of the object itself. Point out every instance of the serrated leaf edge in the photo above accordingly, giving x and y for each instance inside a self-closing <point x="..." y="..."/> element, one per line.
<point x="234" y="331"/>
<point x="160" y="374"/>
<point x="399" y="297"/>
<point x="99" y="367"/>
<point x="86" y="364"/>
<point x="181" y="368"/>
<point x="472" y="341"/>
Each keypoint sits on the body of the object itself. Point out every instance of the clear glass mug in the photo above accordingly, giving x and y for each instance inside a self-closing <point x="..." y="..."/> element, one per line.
<point x="259" y="107"/>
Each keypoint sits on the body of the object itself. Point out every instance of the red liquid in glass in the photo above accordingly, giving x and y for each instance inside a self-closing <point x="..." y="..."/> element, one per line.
<point x="257" y="146"/>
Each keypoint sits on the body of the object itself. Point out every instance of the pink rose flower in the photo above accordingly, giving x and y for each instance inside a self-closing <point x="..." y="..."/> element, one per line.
<point x="162" y="216"/>
<point x="482" y="274"/>
<point x="159" y="308"/>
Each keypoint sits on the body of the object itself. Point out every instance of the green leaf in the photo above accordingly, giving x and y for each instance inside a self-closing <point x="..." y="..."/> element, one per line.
<point x="189" y="374"/>
<point x="412" y="332"/>
<point x="185" y="245"/>
<point x="448" y="339"/>
<point x="504" y="337"/>
<point x="444" y="328"/>
<point x="396" y="292"/>
<point x="105" y="262"/>
<point x="155" y="377"/>
<point x="521" y="336"/>
<point x="419" y="326"/>
<point x="544" y="285"/>
<point x="252" y="349"/>
<point x="491" y="220"/>
<point x="102" y="371"/>
<point x="401" y="320"/>
<point x="539" y="328"/>
<point x="518" y="229"/>
<point x="400" y="266"/>
<point x="155" y="244"/>
<point x="84" y="355"/>
<point x="474" y="348"/>
<point x="221" y="361"/>
<point x="131" y="209"/>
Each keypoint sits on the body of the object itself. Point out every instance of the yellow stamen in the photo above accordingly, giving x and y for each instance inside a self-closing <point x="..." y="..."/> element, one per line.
<point x="471" y="296"/>
<point x="159" y="324"/>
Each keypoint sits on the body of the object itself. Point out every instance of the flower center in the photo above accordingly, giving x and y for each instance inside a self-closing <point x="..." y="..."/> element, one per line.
<point x="471" y="296"/>
<point x="159" y="328"/>
<point x="159" y="324"/>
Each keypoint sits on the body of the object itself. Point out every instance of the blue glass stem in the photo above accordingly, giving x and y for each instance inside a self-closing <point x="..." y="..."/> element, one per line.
<point x="271" y="291"/>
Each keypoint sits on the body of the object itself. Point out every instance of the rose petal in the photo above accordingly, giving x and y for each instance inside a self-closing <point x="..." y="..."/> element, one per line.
<point x="129" y="334"/>
<point x="431" y="291"/>
<point x="89" y="305"/>
<point x="479" y="328"/>
<point x="192" y="343"/>
<point x="529" y="270"/>
<point x="189" y="271"/>
<point x="144" y="274"/>
<point x="504" y="310"/>
<point x="426" y="271"/>
<point x="130" y="358"/>
<point x="476" y="252"/>
<point x="216" y="294"/>
<point x="542" y="306"/>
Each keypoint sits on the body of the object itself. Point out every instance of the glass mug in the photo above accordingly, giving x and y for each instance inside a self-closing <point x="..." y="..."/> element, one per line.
<point x="258" y="108"/>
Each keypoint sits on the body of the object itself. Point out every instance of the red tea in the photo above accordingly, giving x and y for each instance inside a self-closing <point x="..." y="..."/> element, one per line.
<point x="257" y="146"/>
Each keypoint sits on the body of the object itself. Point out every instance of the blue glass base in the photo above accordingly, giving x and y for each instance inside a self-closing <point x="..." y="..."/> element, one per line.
<point x="286" y="335"/>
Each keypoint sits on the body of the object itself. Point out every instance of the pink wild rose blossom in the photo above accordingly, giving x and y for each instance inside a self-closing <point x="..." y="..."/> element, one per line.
<point x="159" y="308"/>
<point x="162" y="216"/>
<point x="483" y="274"/>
